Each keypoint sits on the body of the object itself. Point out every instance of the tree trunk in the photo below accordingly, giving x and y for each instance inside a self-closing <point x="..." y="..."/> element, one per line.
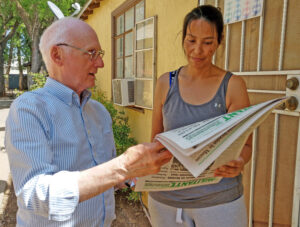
<point x="3" y="40"/>
<point x="20" y="70"/>
<point x="2" y="85"/>
<point x="9" y="58"/>
<point x="36" y="58"/>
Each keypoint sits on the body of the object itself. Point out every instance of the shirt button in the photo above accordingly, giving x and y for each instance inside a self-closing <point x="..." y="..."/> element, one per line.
<point x="89" y="132"/>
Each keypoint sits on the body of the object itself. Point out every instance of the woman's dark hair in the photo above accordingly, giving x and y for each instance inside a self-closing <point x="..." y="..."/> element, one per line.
<point x="208" y="13"/>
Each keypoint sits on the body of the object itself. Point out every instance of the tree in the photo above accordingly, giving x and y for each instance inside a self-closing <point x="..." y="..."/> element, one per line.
<point x="8" y="26"/>
<point x="9" y="57"/>
<point x="20" y="68"/>
<point x="36" y="16"/>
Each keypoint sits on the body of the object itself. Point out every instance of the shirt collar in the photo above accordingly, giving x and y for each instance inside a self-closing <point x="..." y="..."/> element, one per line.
<point x="66" y="94"/>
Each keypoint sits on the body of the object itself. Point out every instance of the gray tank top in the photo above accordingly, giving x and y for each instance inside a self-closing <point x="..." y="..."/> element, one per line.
<point x="177" y="113"/>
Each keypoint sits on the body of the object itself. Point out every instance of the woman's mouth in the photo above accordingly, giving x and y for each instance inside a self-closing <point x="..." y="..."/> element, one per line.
<point x="197" y="59"/>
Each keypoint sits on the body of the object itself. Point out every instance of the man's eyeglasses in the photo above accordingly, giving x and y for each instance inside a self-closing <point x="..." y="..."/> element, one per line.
<point x="93" y="53"/>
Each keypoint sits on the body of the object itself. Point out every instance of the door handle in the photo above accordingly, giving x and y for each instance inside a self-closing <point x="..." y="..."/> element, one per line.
<point x="292" y="83"/>
<point x="291" y="103"/>
<point x="293" y="93"/>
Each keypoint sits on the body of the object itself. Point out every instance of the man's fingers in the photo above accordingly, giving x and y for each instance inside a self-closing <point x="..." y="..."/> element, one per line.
<point x="157" y="146"/>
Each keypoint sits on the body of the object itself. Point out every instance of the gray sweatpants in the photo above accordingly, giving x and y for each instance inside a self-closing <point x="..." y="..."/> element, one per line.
<point x="232" y="214"/>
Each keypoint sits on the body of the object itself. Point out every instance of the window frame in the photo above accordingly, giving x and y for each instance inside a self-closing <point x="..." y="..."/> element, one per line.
<point x="121" y="10"/>
<point x="153" y="48"/>
<point x="115" y="14"/>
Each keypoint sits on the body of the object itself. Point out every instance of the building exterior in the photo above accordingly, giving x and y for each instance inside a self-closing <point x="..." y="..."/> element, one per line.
<point x="142" y="40"/>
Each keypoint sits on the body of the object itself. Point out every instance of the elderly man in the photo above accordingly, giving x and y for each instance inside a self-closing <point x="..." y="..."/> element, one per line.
<point x="60" y="142"/>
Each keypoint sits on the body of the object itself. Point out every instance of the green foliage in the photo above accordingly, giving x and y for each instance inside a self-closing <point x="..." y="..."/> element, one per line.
<point x="132" y="195"/>
<point x="39" y="80"/>
<point x="45" y="15"/>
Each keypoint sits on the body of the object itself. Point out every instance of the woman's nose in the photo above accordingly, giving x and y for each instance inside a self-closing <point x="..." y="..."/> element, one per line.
<point x="198" y="48"/>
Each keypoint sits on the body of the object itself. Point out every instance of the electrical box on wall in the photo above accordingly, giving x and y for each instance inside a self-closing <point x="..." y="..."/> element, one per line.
<point x="293" y="91"/>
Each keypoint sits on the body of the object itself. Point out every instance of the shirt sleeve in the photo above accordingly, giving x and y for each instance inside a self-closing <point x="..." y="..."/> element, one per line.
<point x="39" y="185"/>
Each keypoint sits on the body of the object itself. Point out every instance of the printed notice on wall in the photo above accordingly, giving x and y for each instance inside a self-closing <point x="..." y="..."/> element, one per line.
<point x="238" y="10"/>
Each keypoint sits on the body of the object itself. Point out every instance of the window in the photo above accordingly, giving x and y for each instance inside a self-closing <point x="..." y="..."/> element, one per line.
<point x="133" y="55"/>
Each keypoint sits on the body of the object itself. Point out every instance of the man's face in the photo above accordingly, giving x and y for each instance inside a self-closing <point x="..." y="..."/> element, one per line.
<point x="79" y="68"/>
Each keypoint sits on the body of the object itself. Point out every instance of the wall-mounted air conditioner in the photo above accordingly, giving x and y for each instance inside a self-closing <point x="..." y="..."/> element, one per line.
<point x="123" y="92"/>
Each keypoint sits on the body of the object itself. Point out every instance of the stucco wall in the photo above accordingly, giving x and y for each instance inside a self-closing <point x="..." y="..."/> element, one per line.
<point x="170" y="15"/>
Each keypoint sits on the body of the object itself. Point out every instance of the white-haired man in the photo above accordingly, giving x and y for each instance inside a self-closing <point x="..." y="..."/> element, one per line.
<point x="60" y="142"/>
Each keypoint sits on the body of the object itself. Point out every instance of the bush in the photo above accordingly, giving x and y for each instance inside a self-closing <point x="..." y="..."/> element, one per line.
<point x="38" y="79"/>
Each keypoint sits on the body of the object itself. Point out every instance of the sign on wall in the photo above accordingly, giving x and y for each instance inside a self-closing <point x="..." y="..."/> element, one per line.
<point x="238" y="10"/>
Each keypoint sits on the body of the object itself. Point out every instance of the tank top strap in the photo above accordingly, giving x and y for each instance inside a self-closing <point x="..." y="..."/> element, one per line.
<point x="224" y="84"/>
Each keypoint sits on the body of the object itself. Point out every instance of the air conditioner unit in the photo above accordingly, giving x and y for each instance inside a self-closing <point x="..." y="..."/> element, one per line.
<point x="123" y="92"/>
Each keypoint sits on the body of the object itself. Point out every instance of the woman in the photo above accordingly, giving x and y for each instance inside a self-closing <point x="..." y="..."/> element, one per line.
<point x="200" y="90"/>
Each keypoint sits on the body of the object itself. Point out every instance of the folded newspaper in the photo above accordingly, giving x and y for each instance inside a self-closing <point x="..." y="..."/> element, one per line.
<point x="202" y="147"/>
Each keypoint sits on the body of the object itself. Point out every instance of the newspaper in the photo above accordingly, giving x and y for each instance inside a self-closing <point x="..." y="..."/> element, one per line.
<point x="202" y="147"/>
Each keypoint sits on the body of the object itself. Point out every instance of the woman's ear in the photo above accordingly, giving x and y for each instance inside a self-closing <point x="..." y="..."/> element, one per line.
<point x="56" y="55"/>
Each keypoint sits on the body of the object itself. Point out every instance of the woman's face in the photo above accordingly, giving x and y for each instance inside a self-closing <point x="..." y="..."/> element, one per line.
<point x="200" y="42"/>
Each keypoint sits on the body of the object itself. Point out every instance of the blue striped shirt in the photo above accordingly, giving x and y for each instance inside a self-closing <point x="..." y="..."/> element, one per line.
<point x="50" y="137"/>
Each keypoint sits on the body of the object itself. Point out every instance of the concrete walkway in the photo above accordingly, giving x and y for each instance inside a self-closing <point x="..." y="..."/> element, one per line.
<point x="4" y="166"/>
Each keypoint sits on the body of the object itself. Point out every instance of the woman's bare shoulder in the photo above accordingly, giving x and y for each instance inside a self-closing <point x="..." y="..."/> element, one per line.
<point x="237" y="80"/>
<point x="164" y="78"/>
<point x="237" y="96"/>
<point x="162" y="87"/>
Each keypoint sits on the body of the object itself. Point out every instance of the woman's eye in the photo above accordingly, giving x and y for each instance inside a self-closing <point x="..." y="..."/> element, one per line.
<point x="208" y="43"/>
<point x="191" y="40"/>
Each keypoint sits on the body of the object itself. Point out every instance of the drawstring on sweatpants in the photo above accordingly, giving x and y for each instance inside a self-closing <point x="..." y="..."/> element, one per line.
<point x="179" y="215"/>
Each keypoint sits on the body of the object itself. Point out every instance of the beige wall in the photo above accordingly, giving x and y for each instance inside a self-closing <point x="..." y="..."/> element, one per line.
<point x="170" y="15"/>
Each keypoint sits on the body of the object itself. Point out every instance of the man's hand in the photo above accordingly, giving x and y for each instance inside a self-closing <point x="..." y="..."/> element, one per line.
<point x="143" y="159"/>
<point x="231" y="169"/>
<point x="139" y="160"/>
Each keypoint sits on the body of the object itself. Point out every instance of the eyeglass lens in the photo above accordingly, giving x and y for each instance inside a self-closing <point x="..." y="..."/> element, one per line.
<point x="95" y="54"/>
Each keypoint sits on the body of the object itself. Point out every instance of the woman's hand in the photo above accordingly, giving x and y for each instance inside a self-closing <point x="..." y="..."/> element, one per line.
<point x="231" y="169"/>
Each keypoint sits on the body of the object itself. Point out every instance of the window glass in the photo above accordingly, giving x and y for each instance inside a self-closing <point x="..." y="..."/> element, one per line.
<point x="129" y="67"/>
<point x="144" y="35"/>
<point x="144" y="64"/>
<point x="129" y="44"/>
<point x="143" y="94"/>
<point x="119" y="68"/>
<point x="119" y="47"/>
<point x="129" y="19"/>
<point x="139" y="11"/>
<point x="120" y="24"/>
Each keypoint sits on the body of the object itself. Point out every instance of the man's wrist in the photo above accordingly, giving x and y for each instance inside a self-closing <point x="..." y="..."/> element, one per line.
<point x="121" y="170"/>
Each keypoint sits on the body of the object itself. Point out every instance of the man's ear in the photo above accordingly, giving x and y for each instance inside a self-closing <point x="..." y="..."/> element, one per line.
<point x="56" y="55"/>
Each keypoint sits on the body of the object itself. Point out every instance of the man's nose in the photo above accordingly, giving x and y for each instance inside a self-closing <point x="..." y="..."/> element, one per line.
<point x="99" y="63"/>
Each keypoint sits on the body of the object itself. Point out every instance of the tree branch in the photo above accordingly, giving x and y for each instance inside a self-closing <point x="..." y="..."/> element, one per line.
<point x="24" y="15"/>
<point x="11" y="33"/>
<point x="5" y="22"/>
